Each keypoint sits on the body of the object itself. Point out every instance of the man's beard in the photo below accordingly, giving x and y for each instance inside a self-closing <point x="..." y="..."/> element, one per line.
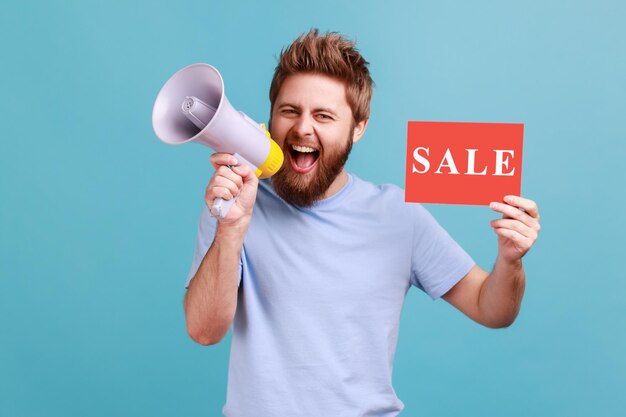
<point x="295" y="189"/>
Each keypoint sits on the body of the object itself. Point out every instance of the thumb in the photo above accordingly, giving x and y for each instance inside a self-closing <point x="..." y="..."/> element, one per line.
<point x="247" y="195"/>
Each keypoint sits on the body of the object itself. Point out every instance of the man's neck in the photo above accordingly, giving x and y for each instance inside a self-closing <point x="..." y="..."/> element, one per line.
<point x="337" y="184"/>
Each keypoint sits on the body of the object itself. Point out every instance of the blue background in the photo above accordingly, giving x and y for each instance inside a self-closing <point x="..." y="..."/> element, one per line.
<point x="98" y="218"/>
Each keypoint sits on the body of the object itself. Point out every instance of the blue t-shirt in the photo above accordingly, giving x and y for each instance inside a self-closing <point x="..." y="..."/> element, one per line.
<point x="320" y="296"/>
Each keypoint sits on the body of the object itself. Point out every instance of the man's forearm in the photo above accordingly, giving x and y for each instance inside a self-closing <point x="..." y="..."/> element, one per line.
<point x="211" y="299"/>
<point x="501" y="294"/>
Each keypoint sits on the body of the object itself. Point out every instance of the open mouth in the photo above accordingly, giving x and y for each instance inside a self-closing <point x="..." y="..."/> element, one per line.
<point x="303" y="158"/>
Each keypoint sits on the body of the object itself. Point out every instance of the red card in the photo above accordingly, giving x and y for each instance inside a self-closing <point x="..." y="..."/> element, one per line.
<point x="463" y="163"/>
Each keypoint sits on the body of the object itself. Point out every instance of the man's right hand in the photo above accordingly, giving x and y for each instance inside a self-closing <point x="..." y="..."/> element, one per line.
<point x="211" y="299"/>
<point x="227" y="183"/>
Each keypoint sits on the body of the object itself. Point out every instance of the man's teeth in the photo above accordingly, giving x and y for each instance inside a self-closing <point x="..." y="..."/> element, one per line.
<point x="305" y="149"/>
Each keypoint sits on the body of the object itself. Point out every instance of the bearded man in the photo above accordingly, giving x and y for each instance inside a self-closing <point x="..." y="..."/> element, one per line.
<point x="313" y="265"/>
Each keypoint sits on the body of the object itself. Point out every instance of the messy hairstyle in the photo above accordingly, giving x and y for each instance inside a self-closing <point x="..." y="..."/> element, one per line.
<point x="328" y="54"/>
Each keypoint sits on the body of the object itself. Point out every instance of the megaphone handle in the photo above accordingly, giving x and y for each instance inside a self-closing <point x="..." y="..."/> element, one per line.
<point x="220" y="206"/>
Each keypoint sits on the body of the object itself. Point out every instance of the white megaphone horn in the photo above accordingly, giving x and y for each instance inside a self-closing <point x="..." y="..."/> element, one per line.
<point x="192" y="107"/>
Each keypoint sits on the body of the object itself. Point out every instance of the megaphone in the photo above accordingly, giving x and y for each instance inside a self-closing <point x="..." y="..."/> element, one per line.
<point x="192" y="107"/>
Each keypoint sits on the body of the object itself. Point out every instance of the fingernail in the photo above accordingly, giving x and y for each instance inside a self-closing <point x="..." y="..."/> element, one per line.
<point x="508" y="198"/>
<point x="493" y="205"/>
<point x="233" y="161"/>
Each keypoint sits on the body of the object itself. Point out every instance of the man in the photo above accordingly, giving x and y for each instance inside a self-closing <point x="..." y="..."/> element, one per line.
<point x="313" y="265"/>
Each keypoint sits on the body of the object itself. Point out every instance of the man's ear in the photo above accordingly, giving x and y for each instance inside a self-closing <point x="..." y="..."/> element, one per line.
<point x="359" y="129"/>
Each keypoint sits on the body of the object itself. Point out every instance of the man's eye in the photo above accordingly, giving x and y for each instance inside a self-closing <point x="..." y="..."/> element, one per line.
<point x="288" y="111"/>
<point x="324" y="116"/>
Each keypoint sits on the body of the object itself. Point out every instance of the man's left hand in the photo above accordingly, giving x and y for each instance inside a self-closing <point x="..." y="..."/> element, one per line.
<point x="518" y="228"/>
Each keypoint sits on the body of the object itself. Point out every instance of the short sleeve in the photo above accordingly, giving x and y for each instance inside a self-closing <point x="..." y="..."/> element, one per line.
<point x="438" y="261"/>
<point x="206" y="233"/>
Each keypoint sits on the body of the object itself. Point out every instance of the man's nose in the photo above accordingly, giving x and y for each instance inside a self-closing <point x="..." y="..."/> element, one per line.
<point x="304" y="125"/>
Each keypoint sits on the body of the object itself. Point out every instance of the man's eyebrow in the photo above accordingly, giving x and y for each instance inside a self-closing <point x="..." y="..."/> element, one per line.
<point x="281" y="105"/>
<point x="326" y="110"/>
<point x="318" y="109"/>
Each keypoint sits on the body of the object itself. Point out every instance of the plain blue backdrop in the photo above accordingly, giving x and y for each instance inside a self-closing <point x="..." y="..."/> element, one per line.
<point x="98" y="218"/>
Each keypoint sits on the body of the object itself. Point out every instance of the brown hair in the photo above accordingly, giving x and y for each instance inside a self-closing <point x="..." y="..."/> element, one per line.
<point x="330" y="54"/>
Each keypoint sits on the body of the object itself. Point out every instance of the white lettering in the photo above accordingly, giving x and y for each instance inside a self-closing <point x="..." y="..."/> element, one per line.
<point x="503" y="162"/>
<point x="450" y="163"/>
<point x="471" y="163"/>
<point x="422" y="160"/>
